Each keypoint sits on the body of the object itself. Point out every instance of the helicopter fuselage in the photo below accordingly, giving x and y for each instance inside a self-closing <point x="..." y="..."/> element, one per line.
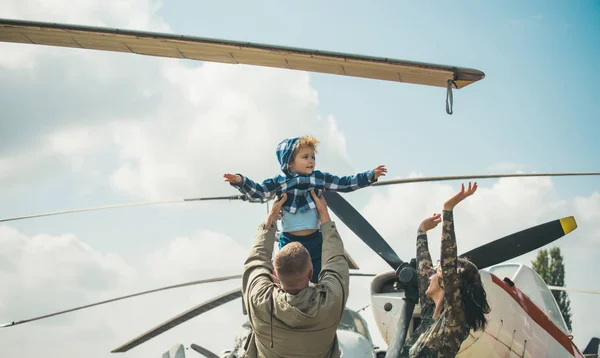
<point x="523" y="322"/>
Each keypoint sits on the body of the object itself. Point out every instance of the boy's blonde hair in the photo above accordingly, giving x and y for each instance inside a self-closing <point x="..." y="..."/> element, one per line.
<point x="304" y="142"/>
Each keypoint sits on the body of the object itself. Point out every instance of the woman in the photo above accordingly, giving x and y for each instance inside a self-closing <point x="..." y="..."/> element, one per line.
<point x="453" y="300"/>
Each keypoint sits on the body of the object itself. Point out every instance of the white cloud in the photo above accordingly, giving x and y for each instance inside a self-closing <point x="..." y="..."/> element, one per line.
<point x="72" y="147"/>
<point x="588" y="208"/>
<point x="75" y="144"/>
<point x="186" y="257"/>
<point x="218" y="119"/>
<point x="44" y="273"/>
<point x="129" y="14"/>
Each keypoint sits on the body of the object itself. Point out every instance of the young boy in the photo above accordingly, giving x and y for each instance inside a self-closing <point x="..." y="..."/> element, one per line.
<point x="300" y="220"/>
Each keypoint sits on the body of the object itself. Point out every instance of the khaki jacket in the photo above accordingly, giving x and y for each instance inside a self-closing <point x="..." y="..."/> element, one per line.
<point x="302" y="325"/>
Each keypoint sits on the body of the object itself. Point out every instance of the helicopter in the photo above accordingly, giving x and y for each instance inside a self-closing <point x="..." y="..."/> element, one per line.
<point x="524" y="320"/>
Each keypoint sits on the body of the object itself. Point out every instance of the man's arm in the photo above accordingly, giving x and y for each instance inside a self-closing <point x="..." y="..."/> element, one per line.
<point x="258" y="269"/>
<point x="335" y="271"/>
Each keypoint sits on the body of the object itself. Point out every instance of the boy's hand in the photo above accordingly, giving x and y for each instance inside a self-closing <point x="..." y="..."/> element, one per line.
<point x="232" y="178"/>
<point x="380" y="171"/>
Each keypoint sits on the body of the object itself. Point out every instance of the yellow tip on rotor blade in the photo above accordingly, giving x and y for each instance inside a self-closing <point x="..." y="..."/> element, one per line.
<point x="568" y="224"/>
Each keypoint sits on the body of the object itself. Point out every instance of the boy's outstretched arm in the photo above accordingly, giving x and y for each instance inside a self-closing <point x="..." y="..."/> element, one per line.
<point x="353" y="182"/>
<point x="248" y="187"/>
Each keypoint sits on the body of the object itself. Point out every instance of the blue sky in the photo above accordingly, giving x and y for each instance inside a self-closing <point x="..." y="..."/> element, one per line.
<point x="118" y="130"/>
<point x="535" y="107"/>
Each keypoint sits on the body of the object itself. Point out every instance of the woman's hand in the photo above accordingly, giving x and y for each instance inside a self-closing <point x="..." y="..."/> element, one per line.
<point x="453" y="201"/>
<point x="430" y="223"/>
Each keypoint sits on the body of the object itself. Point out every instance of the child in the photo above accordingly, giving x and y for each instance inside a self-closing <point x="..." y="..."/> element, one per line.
<point x="300" y="220"/>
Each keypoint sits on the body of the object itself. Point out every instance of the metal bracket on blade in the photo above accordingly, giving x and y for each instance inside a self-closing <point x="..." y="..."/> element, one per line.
<point x="449" y="96"/>
<point x="254" y="200"/>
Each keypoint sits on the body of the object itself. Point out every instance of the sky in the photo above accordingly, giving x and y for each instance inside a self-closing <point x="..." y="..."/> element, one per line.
<point x="88" y="128"/>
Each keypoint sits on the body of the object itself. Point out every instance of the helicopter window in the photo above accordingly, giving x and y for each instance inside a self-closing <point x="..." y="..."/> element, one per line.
<point x="536" y="289"/>
<point x="503" y="271"/>
<point x="354" y="324"/>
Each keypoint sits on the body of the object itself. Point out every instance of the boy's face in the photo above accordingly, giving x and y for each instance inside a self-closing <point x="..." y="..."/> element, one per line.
<point x="304" y="161"/>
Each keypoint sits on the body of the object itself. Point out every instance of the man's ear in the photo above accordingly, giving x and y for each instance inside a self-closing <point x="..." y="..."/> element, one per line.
<point x="310" y="273"/>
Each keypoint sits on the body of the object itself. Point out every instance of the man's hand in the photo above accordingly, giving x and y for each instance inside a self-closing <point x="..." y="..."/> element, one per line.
<point x="232" y="178"/>
<point x="275" y="211"/>
<point x="453" y="201"/>
<point x="430" y="223"/>
<point x="321" y="207"/>
<point x="380" y="171"/>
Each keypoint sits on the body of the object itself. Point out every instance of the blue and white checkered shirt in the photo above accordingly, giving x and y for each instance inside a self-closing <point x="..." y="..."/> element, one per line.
<point x="297" y="187"/>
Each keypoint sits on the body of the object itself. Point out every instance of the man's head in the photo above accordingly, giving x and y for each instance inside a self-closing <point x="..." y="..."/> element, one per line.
<point x="303" y="156"/>
<point x="293" y="267"/>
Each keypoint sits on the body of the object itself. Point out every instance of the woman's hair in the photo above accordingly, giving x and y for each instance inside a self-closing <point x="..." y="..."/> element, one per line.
<point x="473" y="296"/>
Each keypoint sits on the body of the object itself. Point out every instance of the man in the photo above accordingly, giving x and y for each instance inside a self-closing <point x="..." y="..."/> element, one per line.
<point x="289" y="317"/>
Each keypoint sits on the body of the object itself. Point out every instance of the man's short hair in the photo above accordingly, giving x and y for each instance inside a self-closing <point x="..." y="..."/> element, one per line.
<point x="293" y="259"/>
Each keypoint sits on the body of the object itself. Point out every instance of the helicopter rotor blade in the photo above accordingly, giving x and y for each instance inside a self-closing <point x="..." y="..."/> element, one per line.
<point x="232" y="197"/>
<point x="559" y="288"/>
<point x="185" y="284"/>
<point x="361" y="227"/>
<point x="179" y="319"/>
<point x="520" y="243"/>
<point x="187" y="315"/>
<point x="205" y="352"/>
<point x="191" y="283"/>
<point x="242" y="197"/>
<point x="363" y="274"/>
<point x="477" y="176"/>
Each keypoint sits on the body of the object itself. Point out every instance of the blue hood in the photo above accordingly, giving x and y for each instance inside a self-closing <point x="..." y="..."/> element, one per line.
<point x="285" y="148"/>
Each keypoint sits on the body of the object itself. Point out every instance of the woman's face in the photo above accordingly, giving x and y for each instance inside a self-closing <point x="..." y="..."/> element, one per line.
<point x="435" y="278"/>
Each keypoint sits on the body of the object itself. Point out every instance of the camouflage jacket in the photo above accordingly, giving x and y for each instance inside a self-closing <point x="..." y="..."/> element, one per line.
<point x="442" y="336"/>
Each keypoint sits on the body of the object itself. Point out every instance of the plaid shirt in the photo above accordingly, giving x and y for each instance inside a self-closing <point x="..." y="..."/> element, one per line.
<point x="297" y="187"/>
